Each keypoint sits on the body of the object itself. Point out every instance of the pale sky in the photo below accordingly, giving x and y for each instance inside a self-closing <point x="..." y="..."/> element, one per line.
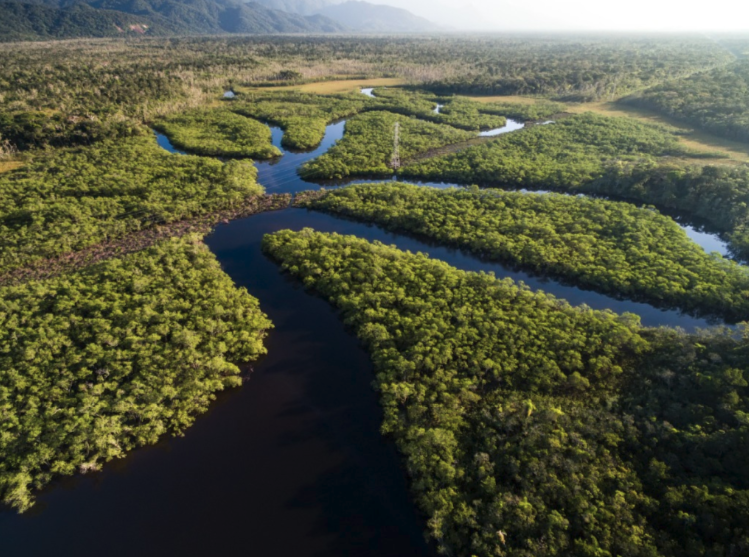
<point x="571" y="15"/>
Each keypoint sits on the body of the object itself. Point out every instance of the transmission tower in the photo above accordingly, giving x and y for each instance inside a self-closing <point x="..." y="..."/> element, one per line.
<point x="395" y="162"/>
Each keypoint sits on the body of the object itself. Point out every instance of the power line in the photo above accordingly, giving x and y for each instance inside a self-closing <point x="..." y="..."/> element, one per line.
<point x="395" y="161"/>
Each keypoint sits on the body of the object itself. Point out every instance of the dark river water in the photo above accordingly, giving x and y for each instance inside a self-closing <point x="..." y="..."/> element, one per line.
<point x="292" y="464"/>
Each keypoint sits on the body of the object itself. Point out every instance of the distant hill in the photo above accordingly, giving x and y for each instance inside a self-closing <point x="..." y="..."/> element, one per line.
<point x="303" y="7"/>
<point x="363" y="17"/>
<point x="45" y="19"/>
<point x="377" y="18"/>
<point x="20" y="22"/>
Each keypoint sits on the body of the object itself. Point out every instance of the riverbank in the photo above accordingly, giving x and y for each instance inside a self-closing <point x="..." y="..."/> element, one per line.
<point x="73" y="261"/>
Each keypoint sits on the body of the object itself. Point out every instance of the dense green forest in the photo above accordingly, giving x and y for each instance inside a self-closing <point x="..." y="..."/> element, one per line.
<point x="66" y="200"/>
<point x="102" y="361"/>
<point x="303" y="117"/>
<point x="27" y="130"/>
<point x="116" y="78"/>
<point x="563" y="155"/>
<point x="367" y="146"/>
<point x="717" y="101"/>
<point x="574" y="69"/>
<point x="720" y="195"/>
<point x="609" y="246"/>
<point x="218" y="132"/>
<point x="539" y="110"/>
<point x="531" y="428"/>
<point x="455" y="111"/>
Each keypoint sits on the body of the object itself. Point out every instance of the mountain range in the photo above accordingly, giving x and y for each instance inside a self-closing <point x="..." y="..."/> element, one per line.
<point x="58" y="19"/>
<point x="358" y="16"/>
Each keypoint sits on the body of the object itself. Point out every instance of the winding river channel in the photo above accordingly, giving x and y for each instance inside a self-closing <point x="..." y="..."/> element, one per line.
<point x="293" y="464"/>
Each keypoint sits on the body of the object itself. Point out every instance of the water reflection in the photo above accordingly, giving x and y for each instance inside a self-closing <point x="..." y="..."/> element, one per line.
<point x="510" y="126"/>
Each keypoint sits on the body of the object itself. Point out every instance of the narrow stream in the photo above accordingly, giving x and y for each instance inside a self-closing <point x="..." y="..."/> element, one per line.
<point x="510" y="126"/>
<point x="280" y="176"/>
<point x="291" y="464"/>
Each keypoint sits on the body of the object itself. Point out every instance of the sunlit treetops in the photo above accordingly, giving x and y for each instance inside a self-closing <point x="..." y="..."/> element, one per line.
<point x="218" y="132"/>
<point x="96" y="363"/>
<point x="66" y="200"/>
<point x="609" y="246"/>
<point x="530" y="427"/>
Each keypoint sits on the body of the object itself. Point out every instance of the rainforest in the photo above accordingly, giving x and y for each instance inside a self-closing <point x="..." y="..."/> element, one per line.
<point x="372" y="295"/>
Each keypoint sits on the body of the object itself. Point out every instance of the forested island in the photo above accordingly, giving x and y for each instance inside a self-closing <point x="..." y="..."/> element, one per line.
<point x="178" y="213"/>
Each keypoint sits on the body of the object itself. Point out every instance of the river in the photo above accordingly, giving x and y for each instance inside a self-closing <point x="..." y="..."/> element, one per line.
<point x="292" y="463"/>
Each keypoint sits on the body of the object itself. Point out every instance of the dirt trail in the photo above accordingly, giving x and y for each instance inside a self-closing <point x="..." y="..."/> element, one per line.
<point x="72" y="261"/>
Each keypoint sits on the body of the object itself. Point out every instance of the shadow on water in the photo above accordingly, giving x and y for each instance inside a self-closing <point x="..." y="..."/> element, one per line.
<point x="291" y="464"/>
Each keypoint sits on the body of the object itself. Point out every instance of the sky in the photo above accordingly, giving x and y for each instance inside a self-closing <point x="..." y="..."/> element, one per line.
<point x="581" y="15"/>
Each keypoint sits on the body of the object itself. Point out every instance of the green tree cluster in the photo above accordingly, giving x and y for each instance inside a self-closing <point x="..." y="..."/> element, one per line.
<point x="97" y="363"/>
<point x="716" y="100"/>
<point x="609" y="246"/>
<point x="531" y="428"/>
<point x="367" y="146"/>
<point x="219" y="133"/>
<point x="540" y="109"/>
<point x="66" y="200"/>
<point x="140" y="80"/>
<point x="28" y="130"/>
<point x="302" y="116"/>
<point x="458" y="112"/>
<point x="571" y="68"/>
<point x="717" y="194"/>
<point x="563" y="155"/>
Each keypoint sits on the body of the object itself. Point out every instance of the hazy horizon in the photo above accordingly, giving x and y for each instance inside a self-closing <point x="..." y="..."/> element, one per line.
<point x="581" y="15"/>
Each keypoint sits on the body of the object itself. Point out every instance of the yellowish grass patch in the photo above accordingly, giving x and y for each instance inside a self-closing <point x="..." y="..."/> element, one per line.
<point x="696" y="140"/>
<point x="7" y="166"/>
<point x="339" y="86"/>
<point x="505" y="99"/>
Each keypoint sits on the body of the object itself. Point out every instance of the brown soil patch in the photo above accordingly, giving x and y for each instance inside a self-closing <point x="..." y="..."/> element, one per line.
<point x="68" y="262"/>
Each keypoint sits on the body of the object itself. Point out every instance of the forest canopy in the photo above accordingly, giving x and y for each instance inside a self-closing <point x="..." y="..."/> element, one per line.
<point x="562" y="155"/>
<point x="367" y="146"/>
<point x="716" y="100"/>
<point x="302" y="116"/>
<point x="70" y="199"/>
<point x="96" y="363"/>
<point x="531" y="428"/>
<point x="609" y="246"/>
<point x="218" y="133"/>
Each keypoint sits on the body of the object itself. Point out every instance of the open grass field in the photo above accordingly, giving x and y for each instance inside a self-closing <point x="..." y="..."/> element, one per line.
<point x="505" y="99"/>
<point x="700" y="141"/>
<point x="736" y="152"/>
<point x="341" y="85"/>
